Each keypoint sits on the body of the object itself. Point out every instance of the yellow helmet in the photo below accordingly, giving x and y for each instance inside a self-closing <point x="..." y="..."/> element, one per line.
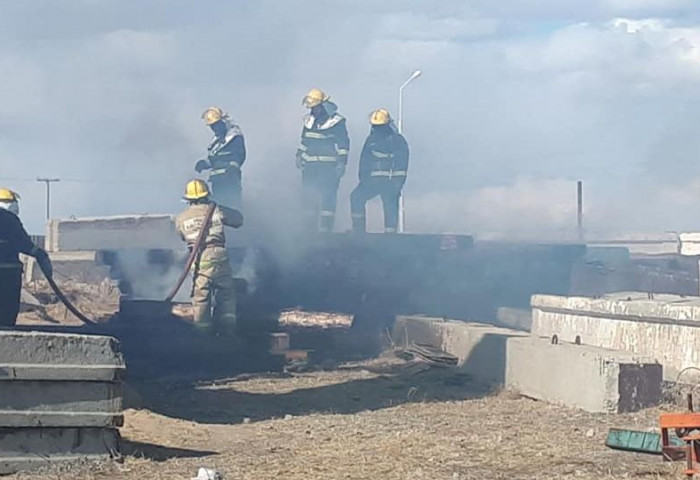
<point x="314" y="97"/>
<point x="380" y="117"/>
<point x="212" y="115"/>
<point x="7" y="195"/>
<point x="196" y="190"/>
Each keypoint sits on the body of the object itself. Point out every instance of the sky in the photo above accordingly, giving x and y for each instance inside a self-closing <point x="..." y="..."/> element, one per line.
<point x="518" y="100"/>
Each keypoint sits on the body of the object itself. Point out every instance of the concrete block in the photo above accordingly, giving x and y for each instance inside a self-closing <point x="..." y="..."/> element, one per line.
<point x="590" y="378"/>
<point x="28" y="403"/>
<point x="85" y="373"/>
<point x="666" y="328"/>
<point x="639" y="243"/>
<point x="690" y="243"/>
<point x="128" y="231"/>
<point x="24" y="449"/>
<point x="41" y="348"/>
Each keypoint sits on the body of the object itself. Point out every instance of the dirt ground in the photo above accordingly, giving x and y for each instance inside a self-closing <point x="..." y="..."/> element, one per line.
<point x="382" y="419"/>
<point x="378" y="419"/>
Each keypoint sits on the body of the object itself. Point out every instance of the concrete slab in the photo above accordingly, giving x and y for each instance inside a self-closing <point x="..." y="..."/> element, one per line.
<point x="40" y="348"/>
<point x="666" y="328"/>
<point x="95" y="373"/>
<point x="117" y="232"/>
<point x="28" y="403"/>
<point x="590" y="378"/>
<point x="31" y="448"/>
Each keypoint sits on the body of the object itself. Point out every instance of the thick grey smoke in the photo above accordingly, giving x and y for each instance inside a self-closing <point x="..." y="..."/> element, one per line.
<point x="518" y="100"/>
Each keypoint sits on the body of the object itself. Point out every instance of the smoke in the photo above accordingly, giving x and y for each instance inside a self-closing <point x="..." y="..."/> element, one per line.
<point x="518" y="100"/>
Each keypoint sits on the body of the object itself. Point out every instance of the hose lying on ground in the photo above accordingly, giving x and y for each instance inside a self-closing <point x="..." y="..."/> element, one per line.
<point x="196" y="248"/>
<point x="63" y="298"/>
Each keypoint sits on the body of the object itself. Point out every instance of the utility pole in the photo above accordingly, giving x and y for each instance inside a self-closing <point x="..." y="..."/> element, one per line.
<point x="579" y="210"/>
<point x="48" y="182"/>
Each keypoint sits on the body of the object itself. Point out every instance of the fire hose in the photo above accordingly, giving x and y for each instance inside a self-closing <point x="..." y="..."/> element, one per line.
<point x="194" y="251"/>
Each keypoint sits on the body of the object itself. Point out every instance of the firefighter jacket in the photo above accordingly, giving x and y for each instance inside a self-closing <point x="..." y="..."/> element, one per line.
<point x="14" y="240"/>
<point x="227" y="152"/>
<point x="189" y="224"/>
<point x="384" y="154"/>
<point x="324" y="141"/>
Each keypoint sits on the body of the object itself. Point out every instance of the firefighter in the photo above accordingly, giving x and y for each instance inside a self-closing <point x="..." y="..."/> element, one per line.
<point x="225" y="158"/>
<point x="383" y="169"/>
<point x="322" y="158"/>
<point x="13" y="241"/>
<point x="212" y="279"/>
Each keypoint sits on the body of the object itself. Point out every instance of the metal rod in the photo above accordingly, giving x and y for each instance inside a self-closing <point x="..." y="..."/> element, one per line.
<point x="579" y="212"/>
<point x="48" y="182"/>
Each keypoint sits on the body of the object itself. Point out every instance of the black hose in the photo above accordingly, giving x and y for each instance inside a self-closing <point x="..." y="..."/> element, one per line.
<point x="196" y="248"/>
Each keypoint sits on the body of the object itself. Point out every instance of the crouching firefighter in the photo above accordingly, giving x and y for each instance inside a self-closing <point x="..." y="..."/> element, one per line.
<point x="226" y="155"/>
<point x="322" y="158"/>
<point x="212" y="278"/>
<point x="13" y="241"/>
<point x="383" y="169"/>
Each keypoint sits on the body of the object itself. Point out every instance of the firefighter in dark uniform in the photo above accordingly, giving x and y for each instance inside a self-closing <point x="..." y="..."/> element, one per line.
<point x="225" y="158"/>
<point x="13" y="241"/>
<point x="383" y="169"/>
<point x="322" y="158"/>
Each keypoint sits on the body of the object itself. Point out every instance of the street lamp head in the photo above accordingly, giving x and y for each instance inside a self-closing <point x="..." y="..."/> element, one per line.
<point x="415" y="74"/>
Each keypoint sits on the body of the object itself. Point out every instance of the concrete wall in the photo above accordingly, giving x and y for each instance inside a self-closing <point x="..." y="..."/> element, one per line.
<point x="666" y="328"/>
<point x="590" y="378"/>
<point x="118" y="232"/>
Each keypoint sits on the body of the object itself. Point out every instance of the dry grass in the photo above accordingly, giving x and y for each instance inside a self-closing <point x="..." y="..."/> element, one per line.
<point x="432" y="431"/>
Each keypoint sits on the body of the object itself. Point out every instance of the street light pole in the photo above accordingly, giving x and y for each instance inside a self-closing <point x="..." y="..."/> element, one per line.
<point x="48" y="182"/>
<point x="414" y="75"/>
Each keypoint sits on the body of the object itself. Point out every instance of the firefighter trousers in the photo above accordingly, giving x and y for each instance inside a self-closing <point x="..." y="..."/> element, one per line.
<point x="213" y="292"/>
<point x="10" y="293"/>
<point x="319" y="184"/>
<point x="388" y="189"/>
<point x="227" y="188"/>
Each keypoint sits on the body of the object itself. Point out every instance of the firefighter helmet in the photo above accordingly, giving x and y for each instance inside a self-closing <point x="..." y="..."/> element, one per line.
<point x="212" y="115"/>
<point x="8" y="196"/>
<point x="196" y="190"/>
<point x="380" y="117"/>
<point x="314" y="97"/>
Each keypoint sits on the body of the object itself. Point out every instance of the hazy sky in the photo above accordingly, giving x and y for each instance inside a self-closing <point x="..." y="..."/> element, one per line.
<point x="518" y="99"/>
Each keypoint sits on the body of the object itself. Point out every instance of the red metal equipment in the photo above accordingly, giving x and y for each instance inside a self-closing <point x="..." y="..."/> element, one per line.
<point x="687" y="428"/>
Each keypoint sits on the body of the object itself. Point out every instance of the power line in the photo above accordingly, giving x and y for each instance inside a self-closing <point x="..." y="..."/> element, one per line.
<point x="90" y="180"/>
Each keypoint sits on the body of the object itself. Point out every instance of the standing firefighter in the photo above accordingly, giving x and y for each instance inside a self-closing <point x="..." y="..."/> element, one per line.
<point x="322" y="158"/>
<point x="225" y="159"/>
<point x="383" y="169"/>
<point x="212" y="276"/>
<point x="13" y="241"/>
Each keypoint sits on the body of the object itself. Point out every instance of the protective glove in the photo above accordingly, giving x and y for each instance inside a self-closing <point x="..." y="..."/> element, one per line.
<point x="44" y="261"/>
<point x="301" y="163"/>
<point x="340" y="170"/>
<point x="202" y="165"/>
